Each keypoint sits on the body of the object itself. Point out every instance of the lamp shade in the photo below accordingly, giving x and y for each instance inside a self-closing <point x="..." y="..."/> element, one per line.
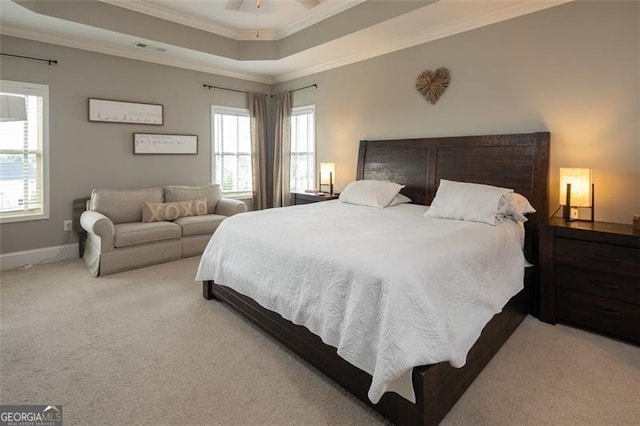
<point x="327" y="173"/>
<point x="12" y="108"/>
<point x="580" y="180"/>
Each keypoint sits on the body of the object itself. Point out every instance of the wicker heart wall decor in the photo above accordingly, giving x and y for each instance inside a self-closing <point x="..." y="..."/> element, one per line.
<point x="432" y="84"/>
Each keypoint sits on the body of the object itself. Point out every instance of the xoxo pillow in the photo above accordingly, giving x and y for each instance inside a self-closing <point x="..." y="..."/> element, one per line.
<point x="158" y="212"/>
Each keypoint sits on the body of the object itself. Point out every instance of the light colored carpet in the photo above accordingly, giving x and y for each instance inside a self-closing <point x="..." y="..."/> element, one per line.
<point x="144" y="347"/>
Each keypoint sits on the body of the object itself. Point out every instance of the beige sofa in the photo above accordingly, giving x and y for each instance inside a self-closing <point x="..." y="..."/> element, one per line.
<point x="119" y="240"/>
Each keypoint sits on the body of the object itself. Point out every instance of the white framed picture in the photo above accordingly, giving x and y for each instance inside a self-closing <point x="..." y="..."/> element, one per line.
<point x="125" y="112"/>
<point x="154" y="143"/>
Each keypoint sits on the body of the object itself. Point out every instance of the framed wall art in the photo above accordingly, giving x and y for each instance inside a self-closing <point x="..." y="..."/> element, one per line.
<point x="154" y="143"/>
<point x="109" y="111"/>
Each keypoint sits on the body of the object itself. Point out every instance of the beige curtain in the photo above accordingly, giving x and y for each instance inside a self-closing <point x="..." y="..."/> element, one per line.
<point x="282" y="152"/>
<point x="258" y="113"/>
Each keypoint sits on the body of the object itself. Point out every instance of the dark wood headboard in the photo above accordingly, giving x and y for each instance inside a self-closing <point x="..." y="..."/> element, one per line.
<point x="518" y="161"/>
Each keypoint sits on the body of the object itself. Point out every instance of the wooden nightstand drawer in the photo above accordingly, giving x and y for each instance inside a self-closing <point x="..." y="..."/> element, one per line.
<point x="298" y="201"/>
<point x="618" y="287"/>
<point x="298" y="198"/>
<point x="622" y="319"/>
<point x="596" y="256"/>
<point x="590" y="275"/>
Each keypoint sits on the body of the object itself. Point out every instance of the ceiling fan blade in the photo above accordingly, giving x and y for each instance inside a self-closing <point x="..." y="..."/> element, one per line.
<point x="309" y="4"/>
<point x="233" y="4"/>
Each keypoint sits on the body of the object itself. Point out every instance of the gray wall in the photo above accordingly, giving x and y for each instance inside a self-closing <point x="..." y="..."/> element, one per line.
<point x="88" y="155"/>
<point x="573" y="70"/>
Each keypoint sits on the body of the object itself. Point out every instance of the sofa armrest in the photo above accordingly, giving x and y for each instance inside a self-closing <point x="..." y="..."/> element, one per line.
<point x="229" y="207"/>
<point x="100" y="225"/>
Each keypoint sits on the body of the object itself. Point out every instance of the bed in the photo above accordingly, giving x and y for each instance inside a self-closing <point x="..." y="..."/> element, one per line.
<point x="515" y="161"/>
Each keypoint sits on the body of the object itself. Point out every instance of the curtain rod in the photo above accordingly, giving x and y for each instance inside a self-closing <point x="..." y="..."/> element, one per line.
<point x="50" y="61"/>
<point x="208" y="86"/>
<point x="301" y="88"/>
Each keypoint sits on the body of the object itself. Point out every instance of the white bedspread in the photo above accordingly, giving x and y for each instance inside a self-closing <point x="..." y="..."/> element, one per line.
<point x="389" y="288"/>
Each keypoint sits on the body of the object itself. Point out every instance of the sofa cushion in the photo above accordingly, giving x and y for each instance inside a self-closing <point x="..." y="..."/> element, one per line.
<point x="131" y="234"/>
<point x="124" y="206"/>
<point x="184" y="193"/>
<point x="158" y="212"/>
<point x="197" y="225"/>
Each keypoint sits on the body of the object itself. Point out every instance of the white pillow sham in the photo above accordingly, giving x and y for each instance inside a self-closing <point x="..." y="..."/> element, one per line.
<point x="372" y="193"/>
<point x="472" y="202"/>
<point x="399" y="199"/>
<point x="515" y="206"/>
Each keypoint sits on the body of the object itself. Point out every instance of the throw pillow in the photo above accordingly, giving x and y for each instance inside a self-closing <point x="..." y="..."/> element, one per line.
<point x="158" y="212"/>
<point x="185" y="193"/>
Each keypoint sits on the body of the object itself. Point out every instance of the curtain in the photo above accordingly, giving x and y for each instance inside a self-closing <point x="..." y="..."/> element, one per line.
<point x="282" y="152"/>
<point x="258" y="113"/>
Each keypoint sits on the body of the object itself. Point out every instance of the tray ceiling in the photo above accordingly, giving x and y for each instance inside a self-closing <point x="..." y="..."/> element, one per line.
<point x="295" y="40"/>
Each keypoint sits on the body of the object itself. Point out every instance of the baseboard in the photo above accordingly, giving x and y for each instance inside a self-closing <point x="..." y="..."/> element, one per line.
<point x="38" y="256"/>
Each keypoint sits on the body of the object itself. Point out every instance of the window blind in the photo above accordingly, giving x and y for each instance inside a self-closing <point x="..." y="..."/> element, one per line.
<point x="302" y="149"/>
<point x="232" y="150"/>
<point x="22" y="162"/>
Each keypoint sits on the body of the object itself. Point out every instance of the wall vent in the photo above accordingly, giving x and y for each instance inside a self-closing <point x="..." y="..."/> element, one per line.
<point x="149" y="46"/>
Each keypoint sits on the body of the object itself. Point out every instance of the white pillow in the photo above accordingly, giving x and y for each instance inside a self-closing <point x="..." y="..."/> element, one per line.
<point x="471" y="202"/>
<point x="515" y="205"/>
<point x="372" y="193"/>
<point x="399" y="199"/>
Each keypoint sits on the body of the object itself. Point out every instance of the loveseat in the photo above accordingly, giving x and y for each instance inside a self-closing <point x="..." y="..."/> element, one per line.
<point x="135" y="228"/>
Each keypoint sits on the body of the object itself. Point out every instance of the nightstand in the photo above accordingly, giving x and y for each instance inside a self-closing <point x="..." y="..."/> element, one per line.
<point x="298" y="198"/>
<point x="590" y="276"/>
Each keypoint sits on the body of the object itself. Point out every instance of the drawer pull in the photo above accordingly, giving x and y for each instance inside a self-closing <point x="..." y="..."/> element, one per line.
<point x="606" y="259"/>
<point x="607" y="286"/>
<point x="607" y="312"/>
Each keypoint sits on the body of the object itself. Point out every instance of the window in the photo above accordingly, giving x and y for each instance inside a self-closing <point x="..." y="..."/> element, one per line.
<point x="24" y="151"/>
<point x="231" y="149"/>
<point x="303" y="147"/>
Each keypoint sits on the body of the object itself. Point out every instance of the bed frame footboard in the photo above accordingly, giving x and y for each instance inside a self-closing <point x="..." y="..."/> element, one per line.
<point x="437" y="386"/>
<point x="207" y="290"/>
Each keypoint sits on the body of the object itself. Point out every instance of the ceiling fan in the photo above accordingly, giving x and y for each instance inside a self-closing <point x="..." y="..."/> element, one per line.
<point x="236" y="4"/>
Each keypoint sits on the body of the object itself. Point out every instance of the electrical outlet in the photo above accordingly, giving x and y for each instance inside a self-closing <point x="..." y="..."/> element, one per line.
<point x="67" y="225"/>
<point x="574" y="213"/>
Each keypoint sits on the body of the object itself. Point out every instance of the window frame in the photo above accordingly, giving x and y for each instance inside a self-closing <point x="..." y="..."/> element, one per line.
<point x="42" y="90"/>
<point x="236" y="111"/>
<point x="297" y="111"/>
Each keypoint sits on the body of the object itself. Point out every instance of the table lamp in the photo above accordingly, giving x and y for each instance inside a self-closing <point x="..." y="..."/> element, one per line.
<point x="576" y="190"/>
<point x="327" y="175"/>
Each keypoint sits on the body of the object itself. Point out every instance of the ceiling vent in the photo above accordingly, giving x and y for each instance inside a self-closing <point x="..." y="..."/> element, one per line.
<point x="150" y="47"/>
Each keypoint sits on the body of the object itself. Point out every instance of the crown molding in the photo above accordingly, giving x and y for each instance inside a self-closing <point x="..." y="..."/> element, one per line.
<point x="501" y="11"/>
<point x="166" y="14"/>
<point x="510" y="10"/>
<point x="136" y="54"/>
<point x="173" y="16"/>
<point x="321" y="15"/>
<point x="265" y="35"/>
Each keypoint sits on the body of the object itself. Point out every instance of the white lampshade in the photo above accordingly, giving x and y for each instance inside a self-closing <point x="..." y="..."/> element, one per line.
<point x="580" y="180"/>
<point x="12" y="108"/>
<point x="327" y="173"/>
